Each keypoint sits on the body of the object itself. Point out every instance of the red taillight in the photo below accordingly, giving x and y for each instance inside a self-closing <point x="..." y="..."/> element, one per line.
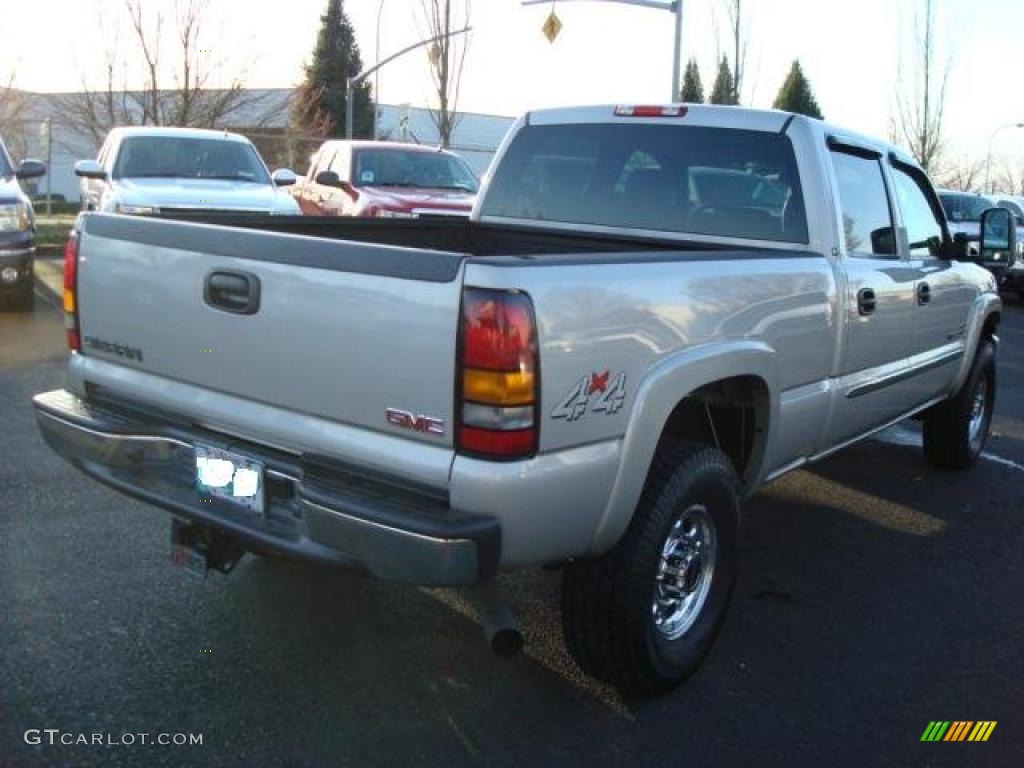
<point x="493" y="442"/>
<point x="71" y="292"/>
<point x="497" y="375"/>
<point x="650" y="110"/>
<point x="497" y="329"/>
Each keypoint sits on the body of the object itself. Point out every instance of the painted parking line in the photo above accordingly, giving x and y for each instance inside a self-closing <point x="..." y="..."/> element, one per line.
<point x="47" y="296"/>
<point x="902" y="436"/>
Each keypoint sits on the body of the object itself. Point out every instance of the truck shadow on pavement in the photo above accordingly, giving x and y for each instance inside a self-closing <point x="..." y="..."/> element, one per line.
<point x="859" y="579"/>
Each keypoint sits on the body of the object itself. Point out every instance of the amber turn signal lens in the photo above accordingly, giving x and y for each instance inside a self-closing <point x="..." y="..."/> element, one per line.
<point x="497" y="387"/>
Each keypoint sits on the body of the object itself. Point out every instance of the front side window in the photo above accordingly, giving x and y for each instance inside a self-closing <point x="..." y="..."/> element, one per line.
<point x="188" y="158"/>
<point x="924" y="229"/>
<point x="671" y="178"/>
<point x="340" y="164"/>
<point x="5" y="162"/>
<point x="867" y="221"/>
<point x="101" y="158"/>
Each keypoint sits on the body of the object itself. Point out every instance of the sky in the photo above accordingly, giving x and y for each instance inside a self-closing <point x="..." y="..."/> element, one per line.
<point x="606" y="53"/>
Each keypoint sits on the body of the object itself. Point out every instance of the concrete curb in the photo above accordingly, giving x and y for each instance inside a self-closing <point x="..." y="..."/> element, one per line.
<point x="50" y="278"/>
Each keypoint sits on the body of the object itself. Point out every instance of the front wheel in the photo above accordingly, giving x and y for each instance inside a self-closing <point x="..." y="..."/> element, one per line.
<point x="643" y="616"/>
<point x="955" y="432"/>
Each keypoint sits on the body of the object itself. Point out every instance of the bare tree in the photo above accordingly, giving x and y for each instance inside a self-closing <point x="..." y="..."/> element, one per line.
<point x="13" y="114"/>
<point x="1007" y="176"/>
<point x="921" y="96"/>
<point x="738" y="39"/>
<point x="178" y="69"/>
<point x="965" y="173"/>
<point x="447" y="58"/>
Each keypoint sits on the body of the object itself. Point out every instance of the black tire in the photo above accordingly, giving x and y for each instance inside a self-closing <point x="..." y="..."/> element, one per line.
<point x="22" y="299"/>
<point x="949" y="441"/>
<point x="608" y="602"/>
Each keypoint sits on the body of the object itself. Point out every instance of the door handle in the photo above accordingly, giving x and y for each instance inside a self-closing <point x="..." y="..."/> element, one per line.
<point x="866" y="301"/>
<point x="924" y="294"/>
<point x="231" y="291"/>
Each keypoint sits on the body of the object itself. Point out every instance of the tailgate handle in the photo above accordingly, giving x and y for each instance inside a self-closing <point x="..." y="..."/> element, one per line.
<point x="231" y="291"/>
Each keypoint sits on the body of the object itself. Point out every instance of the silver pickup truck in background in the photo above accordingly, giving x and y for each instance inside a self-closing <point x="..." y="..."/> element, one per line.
<point x="652" y="312"/>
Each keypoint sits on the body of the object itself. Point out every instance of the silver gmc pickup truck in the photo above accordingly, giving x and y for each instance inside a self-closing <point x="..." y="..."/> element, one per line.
<point x="652" y="312"/>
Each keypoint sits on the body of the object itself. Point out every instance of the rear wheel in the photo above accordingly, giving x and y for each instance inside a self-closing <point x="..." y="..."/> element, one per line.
<point x="955" y="432"/>
<point x="643" y="616"/>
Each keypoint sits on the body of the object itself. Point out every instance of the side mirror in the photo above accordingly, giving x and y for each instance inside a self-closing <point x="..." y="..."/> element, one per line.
<point x="90" y="169"/>
<point x="30" y="169"/>
<point x="283" y="177"/>
<point x="883" y="241"/>
<point x="998" y="236"/>
<point x="328" y="179"/>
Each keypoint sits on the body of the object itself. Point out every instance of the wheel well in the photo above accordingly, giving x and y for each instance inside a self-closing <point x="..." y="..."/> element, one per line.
<point x="731" y="414"/>
<point x="988" y="331"/>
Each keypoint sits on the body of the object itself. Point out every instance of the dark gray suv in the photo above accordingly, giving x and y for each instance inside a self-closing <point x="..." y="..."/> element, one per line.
<point x="17" y="232"/>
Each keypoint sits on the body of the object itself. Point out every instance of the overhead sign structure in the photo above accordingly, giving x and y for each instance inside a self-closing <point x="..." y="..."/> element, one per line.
<point x="552" y="26"/>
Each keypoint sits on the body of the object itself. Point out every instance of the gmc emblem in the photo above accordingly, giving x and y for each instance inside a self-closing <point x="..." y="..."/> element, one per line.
<point x="399" y="418"/>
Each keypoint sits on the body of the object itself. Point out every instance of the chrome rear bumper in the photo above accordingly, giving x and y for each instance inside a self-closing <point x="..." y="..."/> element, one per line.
<point x="314" y="511"/>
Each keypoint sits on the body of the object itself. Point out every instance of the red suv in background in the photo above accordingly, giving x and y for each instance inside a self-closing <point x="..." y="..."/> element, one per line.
<point x="385" y="179"/>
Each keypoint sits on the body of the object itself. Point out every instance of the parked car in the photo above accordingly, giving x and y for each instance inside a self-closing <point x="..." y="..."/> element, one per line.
<point x="386" y="180"/>
<point x="17" y="233"/>
<point x="963" y="212"/>
<point x="1012" y="203"/>
<point x="182" y="171"/>
<point x="590" y="374"/>
<point x="1013" y="278"/>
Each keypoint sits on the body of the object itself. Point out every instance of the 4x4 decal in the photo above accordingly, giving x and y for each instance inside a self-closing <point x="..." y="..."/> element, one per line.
<point x="594" y="393"/>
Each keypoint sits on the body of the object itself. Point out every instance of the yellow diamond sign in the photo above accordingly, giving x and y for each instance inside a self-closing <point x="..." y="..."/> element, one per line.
<point x="552" y="27"/>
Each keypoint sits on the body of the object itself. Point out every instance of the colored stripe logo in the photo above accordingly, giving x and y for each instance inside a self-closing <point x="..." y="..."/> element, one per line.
<point x="958" y="730"/>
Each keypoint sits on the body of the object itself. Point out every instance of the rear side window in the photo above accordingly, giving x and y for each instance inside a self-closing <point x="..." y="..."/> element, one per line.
<point x="867" y="220"/>
<point x="673" y="178"/>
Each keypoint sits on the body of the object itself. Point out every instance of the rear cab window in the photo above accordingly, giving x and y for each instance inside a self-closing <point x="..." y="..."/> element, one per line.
<point x="674" y="178"/>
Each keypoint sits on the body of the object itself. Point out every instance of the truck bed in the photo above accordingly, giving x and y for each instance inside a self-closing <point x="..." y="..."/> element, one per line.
<point x="472" y="238"/>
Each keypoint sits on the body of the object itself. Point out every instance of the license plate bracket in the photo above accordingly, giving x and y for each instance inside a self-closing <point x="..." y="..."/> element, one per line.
<point x="231" y="477"/>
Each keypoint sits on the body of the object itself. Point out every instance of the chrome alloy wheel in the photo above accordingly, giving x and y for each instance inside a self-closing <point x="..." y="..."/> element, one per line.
<point x="685" y="569"/>
<point x="979" y="407"/>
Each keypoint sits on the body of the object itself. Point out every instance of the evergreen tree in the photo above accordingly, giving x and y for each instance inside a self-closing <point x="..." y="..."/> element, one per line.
<point x="319" y="106"/>
<point x="693" y="91"/>
<point x="724" y="90"/>
<point x="796" y="95"/>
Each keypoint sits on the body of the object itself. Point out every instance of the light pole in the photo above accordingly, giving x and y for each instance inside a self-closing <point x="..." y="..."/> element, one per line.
<point x="351" y="82"/>
<point x="673" y="6"/>
<point x="988" y="155"/>
<point x="376" y="75"/>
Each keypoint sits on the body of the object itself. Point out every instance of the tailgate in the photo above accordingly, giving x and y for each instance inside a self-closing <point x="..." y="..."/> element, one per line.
<point x="343" y="330"/>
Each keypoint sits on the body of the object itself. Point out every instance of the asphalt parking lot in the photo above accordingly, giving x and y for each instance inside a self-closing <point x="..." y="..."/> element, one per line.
<point x="875" y="595"/>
